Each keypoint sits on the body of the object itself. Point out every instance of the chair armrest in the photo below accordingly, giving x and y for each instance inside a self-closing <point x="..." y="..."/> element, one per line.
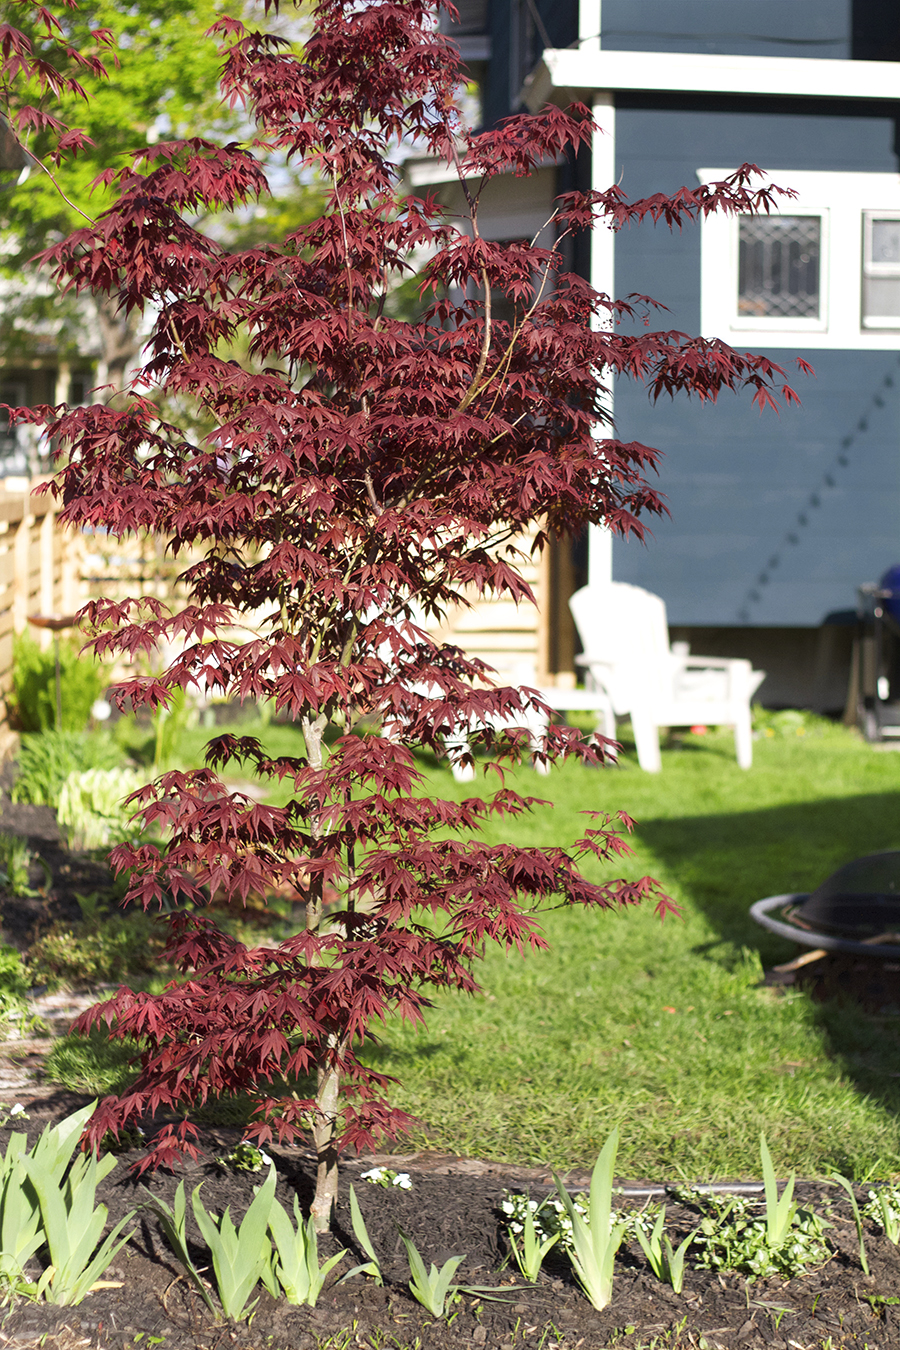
<point x="590" y="662"/>
<point x="709" y="662"/>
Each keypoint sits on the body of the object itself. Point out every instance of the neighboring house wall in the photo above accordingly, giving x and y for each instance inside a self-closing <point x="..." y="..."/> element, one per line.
<point x="775" y="519"/>
<point x="746" y="543"/>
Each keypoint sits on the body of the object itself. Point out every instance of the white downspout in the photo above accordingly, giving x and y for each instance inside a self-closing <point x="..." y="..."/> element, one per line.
<point x="603" y="175"/>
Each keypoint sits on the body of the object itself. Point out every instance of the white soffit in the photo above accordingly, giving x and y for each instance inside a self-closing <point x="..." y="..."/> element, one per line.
<point x="564" y="74"/>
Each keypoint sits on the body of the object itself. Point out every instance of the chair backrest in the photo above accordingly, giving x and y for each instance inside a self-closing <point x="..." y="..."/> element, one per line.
<point x="625" y="627"/>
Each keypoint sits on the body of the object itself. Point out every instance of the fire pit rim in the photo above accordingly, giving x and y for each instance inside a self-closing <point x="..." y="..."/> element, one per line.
<point x="760" y="912"/>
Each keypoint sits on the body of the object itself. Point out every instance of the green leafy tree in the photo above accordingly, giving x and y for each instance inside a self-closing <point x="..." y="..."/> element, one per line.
<point x="157" y="80"/>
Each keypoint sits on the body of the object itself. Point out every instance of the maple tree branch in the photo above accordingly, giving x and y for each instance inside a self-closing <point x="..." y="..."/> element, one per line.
<point x="486" y="340"/>
<point x="347" y="267"/>
<point x="503" y="364"/>
<point x="68" y="201"/>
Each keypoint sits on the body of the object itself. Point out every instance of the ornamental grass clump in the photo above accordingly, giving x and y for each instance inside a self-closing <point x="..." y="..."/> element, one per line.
<point x="530" y="1255"/>
<point x="358" y="476"/>
<point x="240" y="1256"/>
<point x="371" y="1266"/>
<point x="174" y="1224"/>
<point x="47" y="1201"/>
<point x="294" y="1270"/>
<point x="431" y="1287"/>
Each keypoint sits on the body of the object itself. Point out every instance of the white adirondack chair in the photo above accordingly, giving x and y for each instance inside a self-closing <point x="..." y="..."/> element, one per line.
<point x="625" y="637"/>
<point x="594" y="700"/>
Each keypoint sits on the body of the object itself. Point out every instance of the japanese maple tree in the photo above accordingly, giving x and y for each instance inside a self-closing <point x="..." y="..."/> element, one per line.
<point x="360" y="475"/>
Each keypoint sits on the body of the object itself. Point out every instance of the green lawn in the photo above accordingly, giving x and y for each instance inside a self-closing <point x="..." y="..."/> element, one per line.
<point x="665" y="1029"/>
<point x="562" y="1045"/>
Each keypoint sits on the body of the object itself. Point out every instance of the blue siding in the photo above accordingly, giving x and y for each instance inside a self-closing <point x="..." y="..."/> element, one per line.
<point x="747" y="544"/>
<point x="822" y="28"/>
<point x="774" y="519"/>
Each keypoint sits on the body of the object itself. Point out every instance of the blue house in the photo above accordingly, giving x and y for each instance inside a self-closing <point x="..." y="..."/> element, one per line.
<point x="775" y="519"/>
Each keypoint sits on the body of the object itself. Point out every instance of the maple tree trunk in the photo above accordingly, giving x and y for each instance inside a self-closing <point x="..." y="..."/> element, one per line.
<point x="327" y="1075"/>
<point x="324" y="1135"/>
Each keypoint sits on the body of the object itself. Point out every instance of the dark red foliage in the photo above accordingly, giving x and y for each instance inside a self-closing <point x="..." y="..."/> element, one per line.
<point x="359" y="473"/>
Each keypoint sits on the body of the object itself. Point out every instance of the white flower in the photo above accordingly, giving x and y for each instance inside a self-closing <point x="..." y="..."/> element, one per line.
<point x="265" y="1157"/>
<point x="17" y="1110"/>
<point x="376" y="1176"/>
<point x="402" y="1180"/>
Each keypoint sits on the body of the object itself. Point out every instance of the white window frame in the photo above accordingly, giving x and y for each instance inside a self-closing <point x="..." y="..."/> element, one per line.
<point x="843" y="201"/>
<point x="797" y="323"/>
<point x="874" y="271"/>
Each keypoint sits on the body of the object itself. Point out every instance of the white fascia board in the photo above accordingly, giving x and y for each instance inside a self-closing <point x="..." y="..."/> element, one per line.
<point x="426" y="171"/>
<point x="563" y="74"/>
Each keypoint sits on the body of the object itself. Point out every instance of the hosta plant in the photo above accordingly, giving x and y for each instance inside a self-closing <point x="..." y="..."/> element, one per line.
<point x="357" y="476"/>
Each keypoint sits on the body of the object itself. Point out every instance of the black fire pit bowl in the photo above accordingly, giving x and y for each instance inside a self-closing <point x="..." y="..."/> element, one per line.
<point x="856" y="910"/>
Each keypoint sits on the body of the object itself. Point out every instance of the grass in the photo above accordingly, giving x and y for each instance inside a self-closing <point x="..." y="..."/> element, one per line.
<point x="665" y="1029"/>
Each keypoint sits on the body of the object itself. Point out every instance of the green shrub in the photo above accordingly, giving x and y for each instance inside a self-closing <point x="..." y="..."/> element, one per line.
<point x="92" y="807"/>
<point x="47" y="758"/>
<point x="15" y="863"/>
<point x="92" y="1064"/>
<point x="106" y="949"/>
<point x="13" y="985"/>
<point x="793" y="722"/>
<point x="169" y="725"/>
<point x="33" y="700"/>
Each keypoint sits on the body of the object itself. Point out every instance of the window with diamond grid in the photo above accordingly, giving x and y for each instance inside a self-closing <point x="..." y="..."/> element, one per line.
<point x="778" y="272"/>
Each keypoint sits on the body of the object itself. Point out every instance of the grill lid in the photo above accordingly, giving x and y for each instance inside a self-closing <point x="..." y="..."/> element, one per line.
<point x="860" y="900"/>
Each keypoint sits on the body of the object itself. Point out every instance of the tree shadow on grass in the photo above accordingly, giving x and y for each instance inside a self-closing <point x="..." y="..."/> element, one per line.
<point x="727" y="862"/>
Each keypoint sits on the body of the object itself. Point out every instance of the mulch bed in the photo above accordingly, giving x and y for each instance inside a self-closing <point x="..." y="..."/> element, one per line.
<point x="453" y="1207"/>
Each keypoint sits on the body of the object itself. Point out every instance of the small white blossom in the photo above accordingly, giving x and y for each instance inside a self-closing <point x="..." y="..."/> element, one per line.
<point x="17" y="1110"/>
<point x="383" y="1176"/>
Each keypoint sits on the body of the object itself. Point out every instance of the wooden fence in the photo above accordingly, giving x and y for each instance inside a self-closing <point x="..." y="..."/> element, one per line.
<point x="46" y="570"/>
<point x="40" y="573"/>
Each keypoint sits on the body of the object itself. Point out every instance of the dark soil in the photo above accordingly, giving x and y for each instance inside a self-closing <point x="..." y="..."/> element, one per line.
<point x="452" y="1208"/>
<point x="56" y="874"/>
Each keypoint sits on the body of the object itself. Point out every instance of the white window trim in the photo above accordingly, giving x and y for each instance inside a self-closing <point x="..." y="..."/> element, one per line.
<point x="842" y="200"/>
<point x="876" y="270"/>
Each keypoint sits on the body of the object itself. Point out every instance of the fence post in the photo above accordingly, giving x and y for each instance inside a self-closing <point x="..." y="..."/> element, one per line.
<point x="22" y="551"/>
<point x="45" y="558"/>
